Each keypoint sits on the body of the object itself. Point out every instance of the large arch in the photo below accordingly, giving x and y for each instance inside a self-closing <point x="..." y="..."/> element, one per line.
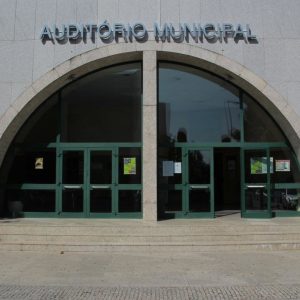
<point x="39" y="91"/>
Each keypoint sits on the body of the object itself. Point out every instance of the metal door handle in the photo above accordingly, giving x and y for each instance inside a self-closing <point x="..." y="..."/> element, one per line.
<point x="202" y="187"/>
<point x="72" y="187"/>
<point x="255" y="186"/>
<point x="98" y="187"/>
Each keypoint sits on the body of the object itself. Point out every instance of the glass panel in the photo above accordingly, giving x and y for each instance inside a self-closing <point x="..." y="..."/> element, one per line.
<point x="173" y="200"/>
<point x="256" y="166"/>
<point x="199" y="200"/>
<point x="33" y="200"/>
<point x="42" y="126"/>
<point x="286" y="168"/>
<point x="33" y="167"/>
<point x="172" y="156"/>
<point x="100" y="201"/>
<point x="72" y="200"/>
<point x="286" y="199"/>
<point x="104" y="106"/>
<point x="101" y="167"/>
<point x="130" y="201"/>
<point x="256" y="199"/>
<point x="199" y="166"/>
<point x="130" y="166"/>
<point x="195" y="106"/>
<point x="73" y="167"/>
<point x="258" y="124"/>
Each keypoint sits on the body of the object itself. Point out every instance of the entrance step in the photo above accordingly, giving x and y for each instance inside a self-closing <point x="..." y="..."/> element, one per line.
<point x="94" y="235"/>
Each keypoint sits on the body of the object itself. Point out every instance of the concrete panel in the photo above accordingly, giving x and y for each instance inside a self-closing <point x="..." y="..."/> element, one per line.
<point x="170" y="11"/>
<point x="5" y="97"/>
<point x="86" y="11"/>
<point x="25" y="19"/>
<point x="189" y="11"/>
<point x="292" y="59"/>
<point x="6" y="57"/>
<point x="22" y="63"/>
<point x="293" y="90"/>
<point x="149" y="12"/>
<point x="108" y="10"/>
<point x="63" y="52"/>
<point x="129" y="11"/>
<point x="275" y="60"/>
<point x="43" y="58"/>
<point x="254" y="57"/>
<point x="45" y="14"/>
<point x="7" y="19"/>
<point x="66" y="11"/>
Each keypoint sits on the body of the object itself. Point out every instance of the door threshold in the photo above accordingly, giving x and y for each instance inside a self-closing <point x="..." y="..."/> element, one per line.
<point x="224" y="213"/>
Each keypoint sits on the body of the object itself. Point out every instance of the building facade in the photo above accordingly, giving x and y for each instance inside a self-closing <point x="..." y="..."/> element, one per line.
<point x="149" y="109"/>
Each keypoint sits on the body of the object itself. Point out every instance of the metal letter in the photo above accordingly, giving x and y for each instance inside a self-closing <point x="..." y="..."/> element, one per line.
<point x="105" y="31"/>
<point x="249" y="35"/>
<point x="161" y="34"/>
<point x="46" y="33"/>
<point x="210" y="31"/>
<point x="139" y="31"/>
<point x="240" y="31"/>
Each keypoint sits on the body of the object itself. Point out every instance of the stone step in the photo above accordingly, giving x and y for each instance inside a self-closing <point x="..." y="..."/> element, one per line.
<point x="134" y="239"/>
<point x="158" y="247"/>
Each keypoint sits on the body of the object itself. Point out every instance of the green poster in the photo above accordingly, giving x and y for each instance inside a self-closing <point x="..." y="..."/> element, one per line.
<point x="259" y="165"/>
<point x="129" y="166"/>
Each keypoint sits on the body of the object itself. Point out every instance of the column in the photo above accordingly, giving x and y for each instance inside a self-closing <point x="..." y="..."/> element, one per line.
<point x="149" y="136"/>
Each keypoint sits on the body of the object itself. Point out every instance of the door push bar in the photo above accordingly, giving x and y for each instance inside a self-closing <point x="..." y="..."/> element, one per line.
<point x="199" y="187"/>
<point x="255" y="186"/>
<point x="72" y="187"/>
<point x="99" y="187"/>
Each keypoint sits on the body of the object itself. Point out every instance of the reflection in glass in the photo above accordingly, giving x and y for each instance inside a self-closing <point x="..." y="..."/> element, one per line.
<point x="286" y="199"/>
<point x="72" y="200"/>
<point x="130" y="201"/>
<point x="73" y="167"/>
<point x="199" y="200"/>
<point x="33" y="200"/>
<point x="173" y="201"/>
<point x="104" y="106"/>
<point x="258" y="125"/>
<point x="199" y="166"/>
<point x="195" y="106"/>
<point x="256" y="199"/>
<point x="100" y="201"/>
<point x="101" y="167"/>
<point x="255" y="166"/>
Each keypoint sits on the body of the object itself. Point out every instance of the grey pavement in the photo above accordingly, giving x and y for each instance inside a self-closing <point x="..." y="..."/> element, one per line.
<point x="150" y="275"/>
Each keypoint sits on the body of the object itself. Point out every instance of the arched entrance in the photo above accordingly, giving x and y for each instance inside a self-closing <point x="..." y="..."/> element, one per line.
<point x="220" y="150"/>
<point x="149" y="53"/>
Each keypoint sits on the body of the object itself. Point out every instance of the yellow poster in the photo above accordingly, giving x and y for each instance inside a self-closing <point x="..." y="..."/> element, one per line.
<point x="39" y="163"/>
<point x="129" y="166"/>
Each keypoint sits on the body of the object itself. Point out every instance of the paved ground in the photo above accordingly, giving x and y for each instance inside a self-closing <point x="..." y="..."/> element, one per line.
<point x="195" y="275"/>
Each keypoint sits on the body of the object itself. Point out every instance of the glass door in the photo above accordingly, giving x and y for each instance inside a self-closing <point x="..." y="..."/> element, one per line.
<point x="257" y="165"/>
<point x="101" y="182"/>
<point x="199" y="193"/>
<point x="73" y="182"/>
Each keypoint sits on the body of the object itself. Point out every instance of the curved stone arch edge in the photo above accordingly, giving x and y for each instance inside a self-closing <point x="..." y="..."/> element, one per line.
<point x="82" y="64"/>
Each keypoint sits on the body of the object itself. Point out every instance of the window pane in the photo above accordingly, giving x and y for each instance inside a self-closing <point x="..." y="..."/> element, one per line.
<point x="195" y="106"/>
<point x="33" y="167"/>
<point x="72" y="200"/>
<point x="258" y="125"/>
<point x="101" y="167"/>
<point x="100" y="201"/>
<point x="33" y="200"/>
<point x="104" y="106"/>
<point x="130" y="166"/>
<point x="286" y="199"/>
<point x="256" y="199"/>
<point x="73" y="167"/>
<point x="130" y="201"/>
<point x="172" y="200"/>
<point x="256" y="166"/>
<point x="199" y="166"/>
<point x="286" y="168"/>
<point x="199" y="200"/>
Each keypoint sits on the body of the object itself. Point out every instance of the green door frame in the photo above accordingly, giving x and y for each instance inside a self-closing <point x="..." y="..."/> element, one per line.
<point x="86" y="186"/>
<point x="245" y="213"/>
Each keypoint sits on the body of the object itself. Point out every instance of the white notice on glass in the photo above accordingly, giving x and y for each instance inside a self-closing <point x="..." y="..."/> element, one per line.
<point x="177" y="167"/>
<point x="168" y="168"/>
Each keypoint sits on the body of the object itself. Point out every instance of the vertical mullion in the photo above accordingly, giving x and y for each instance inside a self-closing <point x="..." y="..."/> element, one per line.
<point x="86" y="183"/>
<point x="185" y="178"/>
<point x="268" y="180"/>
<point x="211" y="184"/>
<point x="242" y="170"/>
<point x="115" y="180"/>
<point x="58" y="191"/>
<point x="241" y="117"/>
